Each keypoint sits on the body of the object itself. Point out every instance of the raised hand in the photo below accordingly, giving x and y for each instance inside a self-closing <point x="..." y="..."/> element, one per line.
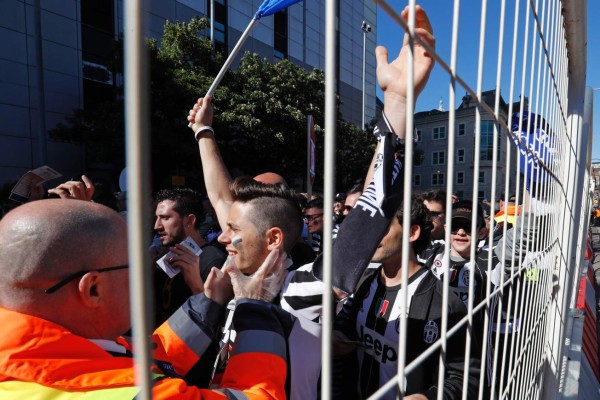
<point x="392" y="76"/>
<point x="265" y="283"/>
<point x="201" y="114"/>
<point x="218" y="286"/>
<point x="75" y="189"/>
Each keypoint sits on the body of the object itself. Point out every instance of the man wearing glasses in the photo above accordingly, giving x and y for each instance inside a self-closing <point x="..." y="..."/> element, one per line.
<point x="313" y="218"/>
<point x="64" y="302"/>
<point x="435" y="201"/>
<point x="461" y="263"/>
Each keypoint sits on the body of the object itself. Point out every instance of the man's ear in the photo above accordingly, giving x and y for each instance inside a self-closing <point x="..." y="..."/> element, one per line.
<point x="274" y="238"/>
<point x="415" y="233"/>
<point x="89" y="289"/>
<point x="482" y="233"/>
<point x="189" y="221"/>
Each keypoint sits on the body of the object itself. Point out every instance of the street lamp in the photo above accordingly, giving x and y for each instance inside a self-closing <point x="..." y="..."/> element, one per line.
<point x="366" y="28"/>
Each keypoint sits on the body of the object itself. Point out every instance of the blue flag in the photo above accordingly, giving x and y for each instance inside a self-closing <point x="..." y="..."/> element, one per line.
<point x="269" y="7"/>
<point x="540" y="142"/>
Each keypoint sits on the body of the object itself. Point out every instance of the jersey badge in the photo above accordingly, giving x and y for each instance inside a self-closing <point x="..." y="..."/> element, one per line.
<point x="382" y="306"/>
<point x="430" y="332"/>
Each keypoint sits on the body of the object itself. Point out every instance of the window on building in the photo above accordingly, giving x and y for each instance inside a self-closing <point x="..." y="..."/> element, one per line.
<point x="481" y="176"/>
<point x="97" y="31"/>
<point x="439" y="133"/>
<point x="460" y="178"/>
<point x="460" y="156"/>
<point x="437" y="179"/>
<point x="462" y="129"/>
<point x="438" y="157"/>
<point x="486" y="149"/>
<point x="97" y="51"/>
<point x="280" y="35"/>
<point x="220" y="24"/>
<point x="417" y="180"/>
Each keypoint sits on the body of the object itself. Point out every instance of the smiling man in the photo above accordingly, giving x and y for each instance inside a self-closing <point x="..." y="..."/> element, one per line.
<point x="460" y="254"/>
<point x="461" y="263"/>
<point x="261" y="218"/>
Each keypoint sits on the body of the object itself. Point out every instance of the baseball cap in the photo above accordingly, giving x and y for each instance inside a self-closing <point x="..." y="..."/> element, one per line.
<point x="340" y="197"/>
<point x="464" y="210"/>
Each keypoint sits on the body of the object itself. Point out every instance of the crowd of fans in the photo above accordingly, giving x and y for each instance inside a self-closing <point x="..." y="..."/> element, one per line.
<point x="238" y="280"/>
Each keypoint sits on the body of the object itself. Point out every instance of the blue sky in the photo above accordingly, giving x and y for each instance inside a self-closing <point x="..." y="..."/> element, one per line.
<point x="440" y="13"/>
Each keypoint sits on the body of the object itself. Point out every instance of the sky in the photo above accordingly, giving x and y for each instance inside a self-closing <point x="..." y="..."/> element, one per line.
<point x="440" y="14"/>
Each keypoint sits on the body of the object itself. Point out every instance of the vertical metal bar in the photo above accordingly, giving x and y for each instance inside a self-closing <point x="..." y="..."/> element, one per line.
<point x="528" y="321"/>
<point x="449" y="190"/>
<point x="364" y="66"/>
<point x="486" y="341"/>
<point x="575" y="28"/>
<point x="508" y="163"/>
<point x="515" y="277"/>
<point x="137" y="138"/>
<point x="329" y="188"/>
<point x="408" y="165"/>
<point x="309" y="155"/>
<point x="41" y="92"/>
<point x="474" y="196"/>
<point x="212" y="22"/>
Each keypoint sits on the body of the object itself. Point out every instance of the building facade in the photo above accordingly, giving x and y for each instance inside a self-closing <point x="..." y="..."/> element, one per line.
<point x="54" y="54"/>
<point x="432" y="130"/>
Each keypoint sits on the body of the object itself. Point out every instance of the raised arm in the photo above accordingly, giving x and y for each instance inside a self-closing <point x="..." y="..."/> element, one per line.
<point x="392" y="77"/>
<point x="216" y="175"/>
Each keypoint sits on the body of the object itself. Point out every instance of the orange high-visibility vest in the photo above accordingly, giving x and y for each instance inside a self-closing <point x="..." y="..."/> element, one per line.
<point x="42" y="360"/>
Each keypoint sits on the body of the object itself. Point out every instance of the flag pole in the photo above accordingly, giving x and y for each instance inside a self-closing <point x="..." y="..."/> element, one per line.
<point x="232" y="55"/>
<point x="225" y="67"/>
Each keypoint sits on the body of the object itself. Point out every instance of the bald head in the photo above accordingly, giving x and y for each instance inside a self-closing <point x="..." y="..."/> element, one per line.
<point x="43" y="241"/>
<point x="271" y="178"/>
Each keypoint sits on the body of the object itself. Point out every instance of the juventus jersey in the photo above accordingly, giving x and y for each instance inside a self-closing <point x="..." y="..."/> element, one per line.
<point x="378" y="327"/>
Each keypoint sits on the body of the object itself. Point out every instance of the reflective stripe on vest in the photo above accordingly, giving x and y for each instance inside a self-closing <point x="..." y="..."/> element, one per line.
<point x="17" y="390"/>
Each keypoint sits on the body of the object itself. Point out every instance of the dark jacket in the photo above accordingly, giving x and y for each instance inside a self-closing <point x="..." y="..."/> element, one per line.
<point x="425" y="306"/>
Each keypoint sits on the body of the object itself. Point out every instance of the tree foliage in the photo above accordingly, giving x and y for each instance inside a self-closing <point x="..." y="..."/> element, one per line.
<point x="260" y="115"/>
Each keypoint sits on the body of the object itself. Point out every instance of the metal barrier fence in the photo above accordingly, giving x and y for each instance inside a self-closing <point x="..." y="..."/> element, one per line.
<point x="546" y="63"/>
<point x="546" y="142"/>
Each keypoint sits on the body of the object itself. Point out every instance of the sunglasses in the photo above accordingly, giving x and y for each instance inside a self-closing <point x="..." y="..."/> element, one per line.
<point x="436" y="214"/>
<point x="457" y="226"/>
<point x="310" y="218"/>
<point x="79" y="274"/>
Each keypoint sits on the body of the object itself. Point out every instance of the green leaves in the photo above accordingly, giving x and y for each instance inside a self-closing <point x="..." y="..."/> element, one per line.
<point x="259" y="119"/>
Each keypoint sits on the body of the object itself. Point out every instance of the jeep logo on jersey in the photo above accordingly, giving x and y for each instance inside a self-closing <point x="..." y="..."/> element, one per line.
<point x="430" y="332"/>
<point x="377" y="346"/>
